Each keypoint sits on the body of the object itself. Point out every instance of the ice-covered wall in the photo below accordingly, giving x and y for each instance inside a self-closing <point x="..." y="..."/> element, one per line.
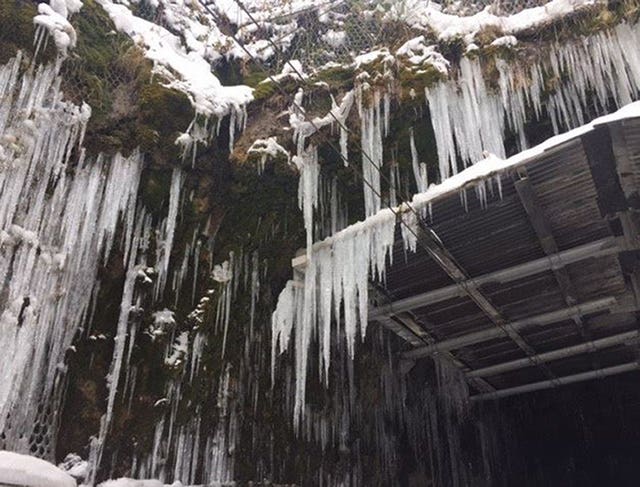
<point x="58" y="218"/>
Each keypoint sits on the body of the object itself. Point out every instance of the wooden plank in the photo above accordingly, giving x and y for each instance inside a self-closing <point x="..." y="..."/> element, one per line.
<point x="430" y="242"/>
<point x="542" y="228"/>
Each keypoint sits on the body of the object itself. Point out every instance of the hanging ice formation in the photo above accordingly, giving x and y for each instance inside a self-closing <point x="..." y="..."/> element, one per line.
<point x="469" y="118"/>
<point x="306" y="158"/>
<point x="168" y="229"/>
<point x="58" y="218"/>
<point x="334" y="285"/>
<point x="200" y="449"/>
<point x="307" y="163"/>
<point x="374" y="122"/>
<point x="419" y="168"/>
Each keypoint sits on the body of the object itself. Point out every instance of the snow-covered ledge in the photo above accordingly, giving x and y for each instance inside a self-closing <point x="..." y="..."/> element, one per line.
<point x="421" y="14"/>
<point x="27" y="471"/>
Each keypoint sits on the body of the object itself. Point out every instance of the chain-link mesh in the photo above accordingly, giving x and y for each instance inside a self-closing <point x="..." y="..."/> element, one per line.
<point x="497" y="7"/>
<point x="316" y="42"/>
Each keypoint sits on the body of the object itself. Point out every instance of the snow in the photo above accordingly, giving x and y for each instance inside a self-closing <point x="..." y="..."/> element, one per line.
<point x="53" y="18"/>
<point x="27" y="471"/>
<point x="291" y="69"/>
<point x="419" y="54"/>
<point x="266" y="148"/>
<point x="371" y="57"/>
<point x="75" y="466"/>
<point x="335" y="38"/>
<point x="304" y="128"/>
<point x="187" y="70"/>
<point x="506" y="41"/>
<point x="427" y="15"/>
<point x="125" y="482"/>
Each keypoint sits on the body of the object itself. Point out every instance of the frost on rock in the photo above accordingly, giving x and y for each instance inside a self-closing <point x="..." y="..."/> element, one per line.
<point x="222" y="272"/>
<point x="163" y="323"/>
<point x="28" y="471"/>
<point x="178" y="350"/>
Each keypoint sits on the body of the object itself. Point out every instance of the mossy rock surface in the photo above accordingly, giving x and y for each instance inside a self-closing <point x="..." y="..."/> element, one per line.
<point x="17" y="31"/>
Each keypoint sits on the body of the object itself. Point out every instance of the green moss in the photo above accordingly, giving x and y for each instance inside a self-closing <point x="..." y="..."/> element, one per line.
<point x="417" y="80"/>
<point x="264" y="91"/>
<point x="96" y="65"/>
<point x="165" y="112"/>
<point x="340" y="77"/>
<point x="254" y="75"/>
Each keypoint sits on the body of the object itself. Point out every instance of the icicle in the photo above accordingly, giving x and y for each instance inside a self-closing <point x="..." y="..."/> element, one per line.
<point x="372" y="153"/>
<point x="337" y="274"/>
<point x="393" y="197"/>
<point x="164" y="255"/>
<point x="468" y="118"/>
<point x="419" y="169"/>
<point x="307" y="163"/>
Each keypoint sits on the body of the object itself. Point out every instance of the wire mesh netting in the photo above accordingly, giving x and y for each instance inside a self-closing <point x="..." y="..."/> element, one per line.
<point x="338" y="30"/>
<point x="497" y="7"/>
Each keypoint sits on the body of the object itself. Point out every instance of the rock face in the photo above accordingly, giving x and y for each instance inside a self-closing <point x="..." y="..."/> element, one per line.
<point x="156" y="181"/>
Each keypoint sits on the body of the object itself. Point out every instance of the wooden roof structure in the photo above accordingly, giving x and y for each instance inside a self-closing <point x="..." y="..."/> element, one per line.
<point x="538" y="286"/>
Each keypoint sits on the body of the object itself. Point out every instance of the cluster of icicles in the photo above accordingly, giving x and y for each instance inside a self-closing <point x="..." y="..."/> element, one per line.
<point x="59" y="212"/>
<point x="193" y="451"/>
<point x="56" y="228"/>
<point x="469" y="120"/>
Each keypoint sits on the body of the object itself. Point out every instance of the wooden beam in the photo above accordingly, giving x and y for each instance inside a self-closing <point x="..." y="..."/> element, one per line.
<point x="557" y="354"/>
<point x="429" y="241"/>
<point x="542" y="228"/>
<point x="599" y="248"/>
<point x="547" y="384"/>
<point x="408" y="321"/>
<point x="627" y="163"/>
<point x="491" y="333"/>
